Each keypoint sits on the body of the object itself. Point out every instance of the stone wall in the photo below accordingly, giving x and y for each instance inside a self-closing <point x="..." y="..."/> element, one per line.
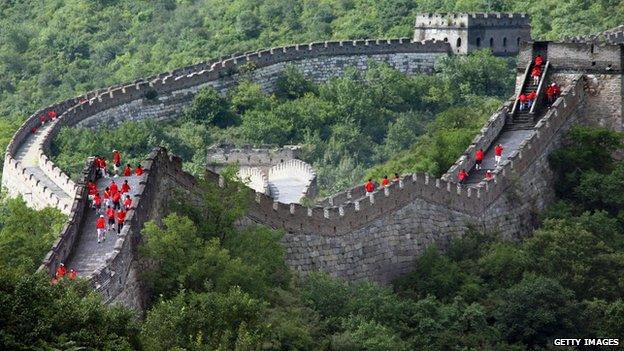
<point x="483" y="140"/>
<point x="263" y="157"/>
<point x="61" y="249"/>
<point x="255" y="178"/>
<point x="601" y="63"/>
<point x="465" y="32"/>
<point x="379" y="236"/>
<point x="318" y="61"/>
<point x="118" y="280"/>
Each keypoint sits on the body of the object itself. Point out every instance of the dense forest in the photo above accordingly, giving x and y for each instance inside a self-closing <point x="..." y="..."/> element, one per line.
<point x="231" y="289"/>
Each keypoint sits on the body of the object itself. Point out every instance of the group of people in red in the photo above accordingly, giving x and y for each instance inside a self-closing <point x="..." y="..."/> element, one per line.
<point x="526" y="101"/>
<point x="43" y="118"/>
<point x="51" y="115"/>
<point x="370" y="185"/>
<point x="61" y="272"/>
<point x="112" y="199"/>
<point x="462" y="176"/>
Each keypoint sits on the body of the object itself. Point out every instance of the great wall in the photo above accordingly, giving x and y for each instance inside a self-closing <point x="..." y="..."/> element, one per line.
<point x="348" y="235"/>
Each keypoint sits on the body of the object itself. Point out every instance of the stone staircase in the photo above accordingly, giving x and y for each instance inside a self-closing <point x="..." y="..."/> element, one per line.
<point x="522" y="119"/>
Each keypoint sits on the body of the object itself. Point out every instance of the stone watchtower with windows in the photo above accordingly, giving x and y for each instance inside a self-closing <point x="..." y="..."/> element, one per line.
<point x="466" y="32"/>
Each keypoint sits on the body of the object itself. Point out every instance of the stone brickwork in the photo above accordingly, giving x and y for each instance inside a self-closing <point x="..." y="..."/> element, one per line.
<point x="466" y="32"/>
<point x="318" y="61"/>
<point x="601" y="63"/>
<point x="263" y="157"/>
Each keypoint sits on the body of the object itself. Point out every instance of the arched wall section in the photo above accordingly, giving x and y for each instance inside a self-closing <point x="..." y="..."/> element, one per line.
<point x="175" y="89"/>
<point x="318" y="62"/>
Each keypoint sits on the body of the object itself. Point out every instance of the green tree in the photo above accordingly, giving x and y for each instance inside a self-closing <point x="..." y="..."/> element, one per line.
<point x="535" y="310"/>
<point x="209" y="107"/>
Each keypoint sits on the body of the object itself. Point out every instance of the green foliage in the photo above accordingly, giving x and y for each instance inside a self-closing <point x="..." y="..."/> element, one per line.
<point x="229" y="320"/>
<point x="26" y="235"/>
<point x="534" y="310"/>
<point x="69" y="315"/>
<point x="584" y="149"/>
<point x="210" y="108"/>
<point x="292" y="84"/>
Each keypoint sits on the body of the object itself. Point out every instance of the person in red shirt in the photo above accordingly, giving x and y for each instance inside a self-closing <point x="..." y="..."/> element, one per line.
<point x="396" y="177"/>
<point x="498" y="153"/>
<point x="531" y="98"/>
<point x="107" y="197"/>
<point x="125" y="187"/>
<point x="116" y="162"/>
<point x="110" y="214"/>
<point x="536" y="73"/>
<point x="92" y="189"/>
<point x="127" y="171"/>
<point x="550" y="94"/>
<point x="113" y="188"/>
<point x="556" y="89"/>
<point x="462" y="176"/>
<point x="127" y="202"/>
<point x="121" y="217"/>
<point x="96" y="164"/>
<point x="523" y="102"/>
<point x="139" y="170"/>
<point x="116" y="200"/>
<point x="60" y="271"/>
<point x="42" y="119"/>
<point x="103" y="167"/>
<point x="51" y="115"/>
<point x="97" y="202"/>
<point x="478" y="158"/>
<point x="538" y="61"/>
<point x="72" y="274"/>
<point x="33" y="130"/>
<point x="100" y="226"/>
<point x="369" y="187"/>
<point x="385" y="181"/>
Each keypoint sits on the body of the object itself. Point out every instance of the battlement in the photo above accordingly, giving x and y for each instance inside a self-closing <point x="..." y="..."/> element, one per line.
<point x="472" y="20"/>
<point x="353" y="209"/>
<point x="465" y="32"/>
<point x="264" y="157"/>
<point x="590" y="57"/>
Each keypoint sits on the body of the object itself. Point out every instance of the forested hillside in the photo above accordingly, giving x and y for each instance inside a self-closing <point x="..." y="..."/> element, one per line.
<point x="54" y="49"/>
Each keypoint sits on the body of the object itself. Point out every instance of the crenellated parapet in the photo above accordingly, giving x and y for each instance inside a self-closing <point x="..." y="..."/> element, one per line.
<point x="62" y="247"/>
<point x="354" y="209"/>
<point x="263" y="157"/>
<point x="483" y="140"/>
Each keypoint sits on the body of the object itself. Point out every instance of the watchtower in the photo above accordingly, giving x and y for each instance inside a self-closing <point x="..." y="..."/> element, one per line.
<point x="465" y="32"/>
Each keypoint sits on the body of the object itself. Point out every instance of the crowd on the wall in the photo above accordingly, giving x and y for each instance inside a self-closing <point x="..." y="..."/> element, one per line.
<point x="112" y="205"/>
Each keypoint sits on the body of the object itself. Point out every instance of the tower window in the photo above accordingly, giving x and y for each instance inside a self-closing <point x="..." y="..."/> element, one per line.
<point x="491" y="42"/>
<point x="445" y="40"/>
<point x="478" y="42"/>
<point x="518" y="41"/>
<point x="458" y="42"/>
<point x="505" y="41"/>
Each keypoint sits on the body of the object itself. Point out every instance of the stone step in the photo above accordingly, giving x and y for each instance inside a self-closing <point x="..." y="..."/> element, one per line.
<point x="509" y="127"/>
